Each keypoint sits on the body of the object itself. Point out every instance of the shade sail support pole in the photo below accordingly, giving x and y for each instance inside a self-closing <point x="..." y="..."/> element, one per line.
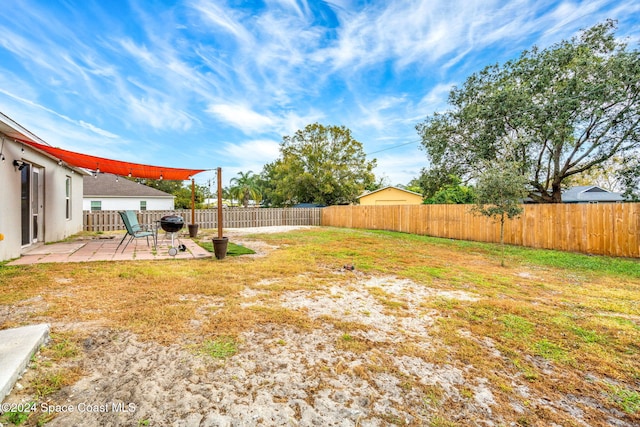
<point x="219" y="202"/>
<point x="193" y="201"/>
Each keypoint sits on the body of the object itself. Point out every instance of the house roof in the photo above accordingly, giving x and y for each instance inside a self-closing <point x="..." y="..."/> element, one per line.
<point x="388" y="187"/>
<point x="589" y="193"/>
<point x="106" y="185"/>
<point x="14" y="131"/>
<point x="79" y="161"/>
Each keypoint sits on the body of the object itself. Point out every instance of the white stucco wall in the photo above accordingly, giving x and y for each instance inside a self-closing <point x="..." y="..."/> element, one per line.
<point x="55" y="225"/>
<point x="10" y="245"/>
<point x="129" y="203"/>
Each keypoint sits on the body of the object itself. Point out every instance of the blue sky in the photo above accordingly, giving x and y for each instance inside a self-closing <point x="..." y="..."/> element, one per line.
<point x="214" y="83"/>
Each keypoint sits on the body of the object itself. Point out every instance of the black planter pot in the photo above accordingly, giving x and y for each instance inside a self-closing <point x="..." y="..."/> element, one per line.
<point x="193" y="230"/>
<point x="220" y="247"/>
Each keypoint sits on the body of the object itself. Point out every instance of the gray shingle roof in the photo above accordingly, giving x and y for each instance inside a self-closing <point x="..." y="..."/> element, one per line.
<point x="388" y="186"/>
<point x="105" y="185"/>
<point x="589" y="193"/>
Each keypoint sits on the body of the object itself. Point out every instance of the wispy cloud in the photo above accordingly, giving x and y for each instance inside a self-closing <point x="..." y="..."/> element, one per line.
<point x="159" y="114"/>
<point x="242" y="117"/>
<point x="249" y="121"/>
<point x="96" y="129"/>
<point x="224" y="18"/>
<point x="263" y="70"/>
<point x="80" y="123"/>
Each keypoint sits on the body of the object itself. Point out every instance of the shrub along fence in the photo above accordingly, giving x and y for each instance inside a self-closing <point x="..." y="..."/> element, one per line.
<point x="208" y="218"/>
<point x="603" y="228"/>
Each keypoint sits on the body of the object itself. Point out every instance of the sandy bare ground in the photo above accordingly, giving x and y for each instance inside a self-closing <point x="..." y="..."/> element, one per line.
<point x="283" y="376"/>
<point x="280" y="376"/>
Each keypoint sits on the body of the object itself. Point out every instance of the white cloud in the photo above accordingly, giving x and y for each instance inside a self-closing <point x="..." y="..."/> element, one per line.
<point x="401" y="167"/>
<point x="32" y="105"/>
<point x="226" y="19"/>
<point x="378" y="67"/>
<point x="436" y="100"/>
<point x="425" y="32"/>
<point x="247" y="120"/>
<point x="96" y="129"/>
<point x="257" y="151"/>
<point x="241" y="117"/>
<point x="159" y="114"/>
<point x="381" y="112"/>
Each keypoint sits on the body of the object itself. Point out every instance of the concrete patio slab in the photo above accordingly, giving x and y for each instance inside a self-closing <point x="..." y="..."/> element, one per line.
<point x="105" y="250"/>
<point x="58" y="248"/>
<point x="17" y="345"/>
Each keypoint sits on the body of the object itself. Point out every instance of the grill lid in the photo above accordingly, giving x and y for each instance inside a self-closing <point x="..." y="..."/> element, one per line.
<point x="171" y="223"/>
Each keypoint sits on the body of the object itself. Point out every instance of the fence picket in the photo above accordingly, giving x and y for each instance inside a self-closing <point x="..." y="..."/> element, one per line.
<point x="208" y="218"/>
<point x="603" y="229"/>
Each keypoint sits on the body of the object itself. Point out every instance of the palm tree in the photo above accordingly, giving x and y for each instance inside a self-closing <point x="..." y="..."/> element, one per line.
<point x="245" y="188"/>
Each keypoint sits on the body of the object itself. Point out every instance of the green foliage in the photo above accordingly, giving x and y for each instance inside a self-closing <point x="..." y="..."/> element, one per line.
<point x="220" y="348"/>
<point x="246" y="187"/>
<point x="453" y="193"/>
<point x="499" y="192"/>
<point x="557" y="112"/>
<point x="168" y="186"/>
<point x="551" y="351"/>
<point x="178" y="189"/>
<point x="629" y="175"/>
<point x="17" y="417"/>
<point x="516" y="326"/>
<point x="320" y="164"/>
<point x="49" y="383"/>
<point x="629" y="400"/>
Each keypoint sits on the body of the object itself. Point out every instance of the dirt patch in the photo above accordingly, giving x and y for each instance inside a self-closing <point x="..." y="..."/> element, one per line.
<point x="285" y="376"/>
<point x="372" y="357"/>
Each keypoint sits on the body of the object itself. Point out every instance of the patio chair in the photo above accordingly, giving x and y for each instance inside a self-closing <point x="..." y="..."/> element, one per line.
<point x="134" y="229"/>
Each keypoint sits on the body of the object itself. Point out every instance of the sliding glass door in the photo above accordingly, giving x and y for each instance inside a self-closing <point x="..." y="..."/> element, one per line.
<point x="32" y="203"/>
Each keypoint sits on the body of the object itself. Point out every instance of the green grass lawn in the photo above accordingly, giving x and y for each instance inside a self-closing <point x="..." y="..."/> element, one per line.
<point x="232" y="248"/>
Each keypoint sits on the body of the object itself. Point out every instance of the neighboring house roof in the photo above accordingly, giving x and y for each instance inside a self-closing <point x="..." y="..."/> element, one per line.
<point x="105" y="185"/>
<point x="387" y="187"/>
<point x="310" y="205"/>
<point x="589" y="193"/>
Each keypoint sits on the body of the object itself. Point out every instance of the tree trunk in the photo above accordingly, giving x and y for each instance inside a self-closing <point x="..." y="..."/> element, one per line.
<point x="556" y="192"/>
<point x="502" y="238"/>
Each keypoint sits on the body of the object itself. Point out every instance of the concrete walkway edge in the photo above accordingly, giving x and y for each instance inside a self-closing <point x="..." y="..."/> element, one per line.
<point x="17" y="345"/>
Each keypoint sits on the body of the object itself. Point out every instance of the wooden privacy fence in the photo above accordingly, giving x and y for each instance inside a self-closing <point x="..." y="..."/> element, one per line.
<point x="603" y="228"/>
<point x="208" y="218"/>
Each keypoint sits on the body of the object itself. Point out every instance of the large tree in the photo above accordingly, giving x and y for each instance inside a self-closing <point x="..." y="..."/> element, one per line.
<point x="453" y="193"/>
<point x="557" y="112"/>
<point x="245" y="187"/>
<point x="178" y="189"/>
<point x="319" y="164"/>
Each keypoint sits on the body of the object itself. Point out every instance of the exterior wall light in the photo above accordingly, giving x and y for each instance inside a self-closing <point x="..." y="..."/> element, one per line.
<point x="19" y="164"/>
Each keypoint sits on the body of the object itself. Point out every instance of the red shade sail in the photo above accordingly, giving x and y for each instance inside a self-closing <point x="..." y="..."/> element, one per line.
<point x="117" y="167"/>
